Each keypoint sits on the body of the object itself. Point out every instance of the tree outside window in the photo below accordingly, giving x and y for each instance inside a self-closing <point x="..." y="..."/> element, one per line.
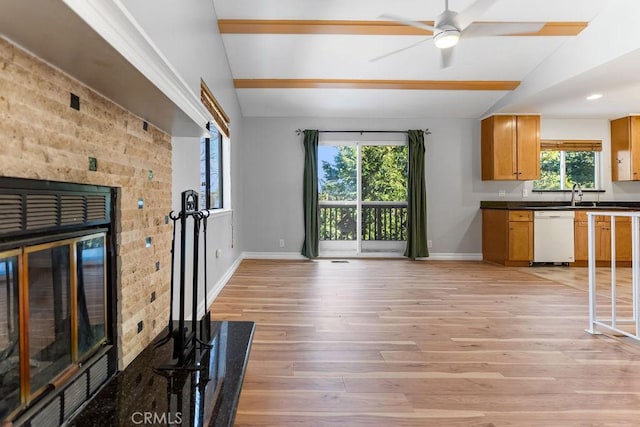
<point x="559" y="170"/>
<point x="384" y="173"/>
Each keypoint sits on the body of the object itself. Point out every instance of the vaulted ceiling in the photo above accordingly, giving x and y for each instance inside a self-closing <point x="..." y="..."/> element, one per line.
<point x="308" y="58"/>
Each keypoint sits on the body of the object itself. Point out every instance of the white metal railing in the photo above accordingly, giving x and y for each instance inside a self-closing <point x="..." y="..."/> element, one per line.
<point x="613" y="323"/>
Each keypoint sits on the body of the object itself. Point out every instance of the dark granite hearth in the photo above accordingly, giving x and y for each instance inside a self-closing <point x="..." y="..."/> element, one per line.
<point x="145" y="395"/>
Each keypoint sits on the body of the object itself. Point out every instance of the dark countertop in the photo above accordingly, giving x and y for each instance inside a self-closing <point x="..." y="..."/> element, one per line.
<point x="142" y="394"/>
<point x="542" y="205"/>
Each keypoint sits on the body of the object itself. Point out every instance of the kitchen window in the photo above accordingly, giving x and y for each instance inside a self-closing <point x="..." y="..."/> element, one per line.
<point x="565" y="163"/>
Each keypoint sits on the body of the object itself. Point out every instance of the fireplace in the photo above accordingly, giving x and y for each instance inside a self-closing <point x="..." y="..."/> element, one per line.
<point x="56" y="297"/>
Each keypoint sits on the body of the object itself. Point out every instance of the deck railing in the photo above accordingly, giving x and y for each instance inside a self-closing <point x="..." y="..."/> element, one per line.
<point x="381" y="221"/>
<point x="614" y="321"/>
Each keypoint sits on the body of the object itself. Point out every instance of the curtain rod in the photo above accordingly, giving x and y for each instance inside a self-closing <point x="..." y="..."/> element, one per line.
<point x="426" y="131"/>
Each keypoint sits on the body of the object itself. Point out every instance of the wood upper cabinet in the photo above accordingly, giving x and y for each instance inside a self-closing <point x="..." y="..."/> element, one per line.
<point x="511" y="147"/>
<point x="625" y="149"/>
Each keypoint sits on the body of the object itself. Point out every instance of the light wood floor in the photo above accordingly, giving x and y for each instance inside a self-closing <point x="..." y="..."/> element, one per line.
<point x="401" y="343"/>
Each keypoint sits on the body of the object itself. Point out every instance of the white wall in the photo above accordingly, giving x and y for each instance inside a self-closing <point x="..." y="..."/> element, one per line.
<point x="273" y="164"/>
<point x="189" y="39"/>
<point x="267" y="155"/>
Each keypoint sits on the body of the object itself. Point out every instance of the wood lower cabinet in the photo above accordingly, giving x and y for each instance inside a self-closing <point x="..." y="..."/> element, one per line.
<point x="602" y="239"/>
<point x="623" y="239"/>
<point x="520" y="241"/>
<point x="507" y="236"/>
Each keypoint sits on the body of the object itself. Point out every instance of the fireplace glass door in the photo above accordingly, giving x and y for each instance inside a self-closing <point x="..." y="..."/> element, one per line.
<point x="53" y="306"/>
<point x="9" y="333"/>
<point x="91" y="293"/>
<point x="49" y="313"/>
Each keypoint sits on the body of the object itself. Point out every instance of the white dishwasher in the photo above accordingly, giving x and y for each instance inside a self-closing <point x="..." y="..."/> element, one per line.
<point x="553" y="236"/>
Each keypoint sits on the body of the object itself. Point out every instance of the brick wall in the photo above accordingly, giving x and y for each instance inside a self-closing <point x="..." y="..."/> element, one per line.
<point x="43" y="138"/>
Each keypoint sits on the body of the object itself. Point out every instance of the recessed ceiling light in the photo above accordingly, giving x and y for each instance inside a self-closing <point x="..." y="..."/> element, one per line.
<point x="594" y="96"/>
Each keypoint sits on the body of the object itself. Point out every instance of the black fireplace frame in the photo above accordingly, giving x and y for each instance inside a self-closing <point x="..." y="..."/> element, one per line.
<point x="34" y="212"/>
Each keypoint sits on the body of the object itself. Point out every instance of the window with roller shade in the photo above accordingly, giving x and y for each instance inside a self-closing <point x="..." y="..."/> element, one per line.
<point x="215" y="162"/>
<point x="567" y="162"/>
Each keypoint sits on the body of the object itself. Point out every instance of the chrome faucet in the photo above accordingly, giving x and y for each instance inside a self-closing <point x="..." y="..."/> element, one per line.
<point x="574" y="194"/>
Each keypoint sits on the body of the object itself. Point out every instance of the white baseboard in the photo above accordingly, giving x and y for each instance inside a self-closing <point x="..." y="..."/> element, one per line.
<point x="297" y="256"/>
<point x="273" y="255"/>
<point x="217" y="288"/>
<point x="453" y="257"/>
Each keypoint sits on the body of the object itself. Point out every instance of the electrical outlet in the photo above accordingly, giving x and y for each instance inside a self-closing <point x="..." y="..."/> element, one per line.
<point x="218" y="253"/>
<point x="502" y="193"/>
<point x="429" y="244"/>
<point x="525" y="192"/>
<point x="282" y="243"/>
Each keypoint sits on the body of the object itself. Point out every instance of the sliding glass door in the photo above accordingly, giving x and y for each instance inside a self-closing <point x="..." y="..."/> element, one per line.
<point x="362" y="198"/>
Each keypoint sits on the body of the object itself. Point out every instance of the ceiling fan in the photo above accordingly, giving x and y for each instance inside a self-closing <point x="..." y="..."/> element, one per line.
<point x="451" y="26"/>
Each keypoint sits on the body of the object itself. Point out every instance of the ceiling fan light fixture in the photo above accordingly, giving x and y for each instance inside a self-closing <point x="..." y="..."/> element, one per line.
<point x="447" y="38"/>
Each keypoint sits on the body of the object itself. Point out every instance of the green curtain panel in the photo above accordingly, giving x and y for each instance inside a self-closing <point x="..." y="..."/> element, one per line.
<point x="416" y="198"/>
<point x="310" y="194"/>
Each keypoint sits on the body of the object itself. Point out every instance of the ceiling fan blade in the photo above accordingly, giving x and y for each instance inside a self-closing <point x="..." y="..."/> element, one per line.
<point x="399" y="50"/>
<point x="408" y="22"/>
<point x="473" y="12"/>
<point x="486" y="29"/>
<point x="446" y="57"/>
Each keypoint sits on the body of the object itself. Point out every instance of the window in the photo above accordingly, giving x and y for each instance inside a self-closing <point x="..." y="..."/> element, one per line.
<point x="215" y="154"/>
<point x="564" y="163"/>
<point x="211" y="182"/>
